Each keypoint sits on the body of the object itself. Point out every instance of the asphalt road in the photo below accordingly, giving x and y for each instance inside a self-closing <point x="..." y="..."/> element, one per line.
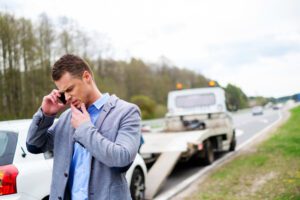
<point x="246" y="126"/>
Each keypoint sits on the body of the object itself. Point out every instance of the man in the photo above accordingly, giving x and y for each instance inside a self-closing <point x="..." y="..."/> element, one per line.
<point x="94" y="141"/>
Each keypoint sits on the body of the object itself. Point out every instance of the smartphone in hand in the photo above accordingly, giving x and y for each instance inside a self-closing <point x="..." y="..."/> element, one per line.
<point x="62" y="98"/>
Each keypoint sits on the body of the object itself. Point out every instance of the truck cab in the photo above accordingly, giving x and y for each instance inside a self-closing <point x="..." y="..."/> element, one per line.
<point x="202" y="109"/>
<point x="196" y="101"/>
<point x="203" y="105"/>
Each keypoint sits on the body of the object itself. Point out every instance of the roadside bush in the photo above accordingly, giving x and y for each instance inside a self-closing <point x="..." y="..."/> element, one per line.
<point x="146" y="104"/>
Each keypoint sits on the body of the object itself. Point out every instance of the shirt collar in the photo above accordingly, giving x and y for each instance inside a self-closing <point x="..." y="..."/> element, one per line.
<point x="100" y="102"/>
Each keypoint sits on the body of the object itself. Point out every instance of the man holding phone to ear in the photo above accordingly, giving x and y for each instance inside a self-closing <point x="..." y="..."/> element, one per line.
<point x="94" y="141"/>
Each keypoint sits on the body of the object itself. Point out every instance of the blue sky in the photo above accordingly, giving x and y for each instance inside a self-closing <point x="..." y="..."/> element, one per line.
<point x="254" y="44"/>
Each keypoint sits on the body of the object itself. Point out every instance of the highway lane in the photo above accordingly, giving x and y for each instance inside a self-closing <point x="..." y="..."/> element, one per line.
<point x="247" y="126"/>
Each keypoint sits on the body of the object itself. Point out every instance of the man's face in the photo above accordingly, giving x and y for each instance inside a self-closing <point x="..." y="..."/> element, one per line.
<point x="75" y="89"/>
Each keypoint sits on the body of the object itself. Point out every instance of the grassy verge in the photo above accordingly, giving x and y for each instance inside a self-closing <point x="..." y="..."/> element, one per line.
<point x="271" y="171"/>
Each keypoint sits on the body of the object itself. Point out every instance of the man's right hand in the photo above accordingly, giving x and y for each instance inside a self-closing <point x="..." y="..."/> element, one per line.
<point x="51" y="105"/>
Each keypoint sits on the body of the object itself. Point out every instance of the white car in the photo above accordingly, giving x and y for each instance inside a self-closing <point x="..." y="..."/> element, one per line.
<point x="277" y="106"/>
<point x="257" y="110"/>
<point x="26" y="176"/>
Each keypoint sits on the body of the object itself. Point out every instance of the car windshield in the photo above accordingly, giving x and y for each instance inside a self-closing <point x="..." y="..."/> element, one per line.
<point x="8" y="143"/>
<point x="195" y="100"/>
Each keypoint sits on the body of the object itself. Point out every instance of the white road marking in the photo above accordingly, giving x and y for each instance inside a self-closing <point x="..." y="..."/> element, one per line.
<point x="239" y="132"/>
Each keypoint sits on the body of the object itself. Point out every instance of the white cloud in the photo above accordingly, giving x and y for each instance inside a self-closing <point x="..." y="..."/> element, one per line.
<point x="268" y="76"/>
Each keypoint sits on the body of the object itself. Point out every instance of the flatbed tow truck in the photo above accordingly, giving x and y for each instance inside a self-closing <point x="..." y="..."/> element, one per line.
<point x="196" y="126"/>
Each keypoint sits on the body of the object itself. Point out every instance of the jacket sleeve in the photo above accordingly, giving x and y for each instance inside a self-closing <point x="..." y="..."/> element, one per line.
<point x="40" y="135"/>
<point x="120" y="153"/>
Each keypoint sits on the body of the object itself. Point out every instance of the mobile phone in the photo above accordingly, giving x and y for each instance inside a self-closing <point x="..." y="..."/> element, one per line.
<point x="62" y="98"/>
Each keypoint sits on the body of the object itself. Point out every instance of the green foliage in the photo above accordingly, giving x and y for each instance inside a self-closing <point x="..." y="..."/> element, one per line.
<point x="288" y="138"/>
<point x="236" y="98"/>
<point x="146" y="104"/>
<point x="160" y="111"/>
<point x="259" y="100"/>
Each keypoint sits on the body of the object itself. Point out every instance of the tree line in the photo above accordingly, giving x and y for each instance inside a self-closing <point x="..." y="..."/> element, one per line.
<point x="29" y="49"/>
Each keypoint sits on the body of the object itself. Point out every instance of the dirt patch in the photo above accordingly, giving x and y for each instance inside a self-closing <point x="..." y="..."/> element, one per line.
<point x="261" y="181"/>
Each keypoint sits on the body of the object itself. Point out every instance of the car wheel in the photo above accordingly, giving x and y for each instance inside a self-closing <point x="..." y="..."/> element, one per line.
<point x="46" y="198"/>
<point x="137" y="185"/>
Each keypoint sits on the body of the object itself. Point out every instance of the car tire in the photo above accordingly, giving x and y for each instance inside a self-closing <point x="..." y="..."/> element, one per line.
<point x="232" y="142"/>
<point x="209" y="155"/>
<point x="137" y="185"/>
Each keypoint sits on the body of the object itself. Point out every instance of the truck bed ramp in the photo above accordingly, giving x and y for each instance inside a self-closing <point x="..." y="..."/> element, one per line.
<point x="176" y="141"/>
<point x="170" y="146"/>
<point x="160" y="171"/>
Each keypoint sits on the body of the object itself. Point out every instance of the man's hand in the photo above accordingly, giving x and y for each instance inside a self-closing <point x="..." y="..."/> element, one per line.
<point x="79" y="117"/>
<point x="50" y="105"/>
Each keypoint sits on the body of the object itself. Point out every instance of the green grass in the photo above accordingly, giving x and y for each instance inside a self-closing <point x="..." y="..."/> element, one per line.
<point x="272" y="171"/>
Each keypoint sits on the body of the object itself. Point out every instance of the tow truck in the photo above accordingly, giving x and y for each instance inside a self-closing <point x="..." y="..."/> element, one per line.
<point x="196" y="126"/>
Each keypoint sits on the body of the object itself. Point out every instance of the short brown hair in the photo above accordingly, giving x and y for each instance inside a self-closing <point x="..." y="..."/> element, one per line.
<point x="72" y="64"/>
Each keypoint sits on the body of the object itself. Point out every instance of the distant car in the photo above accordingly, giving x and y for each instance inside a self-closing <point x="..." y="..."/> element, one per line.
<point x="277" y="106"/>
<point x="257" y="110"/>
<point x="26" y="176"/>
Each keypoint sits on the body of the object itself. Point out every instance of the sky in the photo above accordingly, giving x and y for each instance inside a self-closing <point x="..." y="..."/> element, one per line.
<point x="253" y="44"/>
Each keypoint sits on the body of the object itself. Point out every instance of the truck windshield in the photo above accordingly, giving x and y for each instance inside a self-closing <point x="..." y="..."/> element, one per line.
<point x="195" y="100"/>
<point x="8" y="143"/>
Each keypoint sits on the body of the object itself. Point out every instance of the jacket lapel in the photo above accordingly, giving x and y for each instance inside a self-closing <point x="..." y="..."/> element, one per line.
<point x="71" y="141"/>
<point x="111" y="103"/>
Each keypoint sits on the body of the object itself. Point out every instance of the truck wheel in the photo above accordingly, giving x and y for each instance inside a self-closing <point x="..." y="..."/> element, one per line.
<point x="233" y="142"/>
<point x="209" y="156"/>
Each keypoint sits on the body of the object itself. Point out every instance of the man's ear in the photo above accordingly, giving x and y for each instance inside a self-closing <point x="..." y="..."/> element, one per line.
<point x="87" y="76"/>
